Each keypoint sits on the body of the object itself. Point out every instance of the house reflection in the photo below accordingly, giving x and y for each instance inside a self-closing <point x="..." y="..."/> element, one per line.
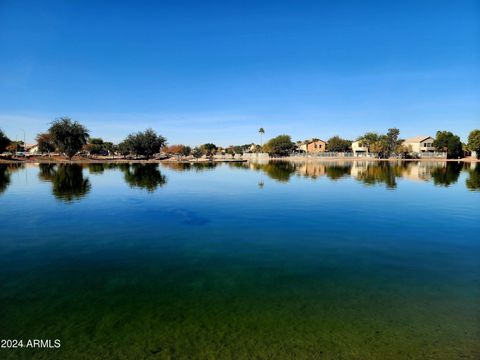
<point x="421" y="170"/>
<point x="367" y="172"/>
<point x="311" y="170"/>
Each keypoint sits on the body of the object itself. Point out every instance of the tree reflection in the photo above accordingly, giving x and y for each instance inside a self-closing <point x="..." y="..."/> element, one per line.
<point x="277" y="170"/>
<point x="446" y="175"/>
<point x="99" y="168"/>
<point x="6" y="171"/>
<point x="381" y="172"/>
<point x="473" y="182"/>
<point x="335" y="172"/>
<point x="144" y="176"/>
<point x="68" y="183"/>
<point x="46" y="172"/>
<point x="189" y="166"/>
<point x="4" y="178"/>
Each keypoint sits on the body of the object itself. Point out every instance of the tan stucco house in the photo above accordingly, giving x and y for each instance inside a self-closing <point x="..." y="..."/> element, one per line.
<point x="420" y="144"/>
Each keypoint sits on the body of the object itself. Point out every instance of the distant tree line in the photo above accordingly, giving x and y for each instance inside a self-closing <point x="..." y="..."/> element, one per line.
<point x="70" y="138"/>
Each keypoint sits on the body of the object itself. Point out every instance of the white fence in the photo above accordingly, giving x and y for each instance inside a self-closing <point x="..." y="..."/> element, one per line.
<point x="255" y="156"/>
<point x="432" y="155"/>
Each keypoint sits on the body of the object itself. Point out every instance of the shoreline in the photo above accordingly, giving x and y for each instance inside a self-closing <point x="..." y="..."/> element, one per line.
<point x="79" y="160"/>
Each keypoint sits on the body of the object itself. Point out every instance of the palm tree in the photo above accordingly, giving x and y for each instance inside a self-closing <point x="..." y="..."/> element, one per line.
<point x="261" y="132"/>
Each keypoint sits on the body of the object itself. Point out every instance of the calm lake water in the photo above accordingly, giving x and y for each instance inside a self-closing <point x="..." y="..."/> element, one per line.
<point x="241" y="261"/>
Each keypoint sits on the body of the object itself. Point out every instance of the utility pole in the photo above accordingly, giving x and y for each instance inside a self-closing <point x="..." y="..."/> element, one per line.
<point x="24" y="139"/>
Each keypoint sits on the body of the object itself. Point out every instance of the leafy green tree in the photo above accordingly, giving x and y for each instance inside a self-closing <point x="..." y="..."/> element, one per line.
<point x="449" y="142"/>
<point x="208" y="149"/>
<point x="383" y="145"/>
<point x="197" y="152"/>
<point x="109" y="147"/>
<point x="15" y="146"/>
<point x="68" y="136"/>
<point x="123" y="148"/>
<point x="392" y="141"/>
<point x="281" y="145"/>
<point x="380" y="147"/>
<point x="474" y="142"/>
<point x="145" y="143"/>
<point x="238" y="149"/>
<point x="337" y="144"/>
<point x="368" y="139"/>
<point x="230" y="151"/>
<point x="186" y="151"/>
<point x="403" y="150"/>
<point x="45" y="143"/>
<point x="4" y="141"/>
<point x="372" y="141"/>
<point x="96" y="146"/>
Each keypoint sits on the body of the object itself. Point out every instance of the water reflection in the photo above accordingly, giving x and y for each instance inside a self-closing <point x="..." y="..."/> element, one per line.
<point x="197" y="166"/>
<point x="68" y="182"/>
<point x="446" y="175"/>
<point x="143" y="176"/>
<point x="6" y="171"/>
<point x="369" y="172"/>
<point x="99" y="168"/>
<point x="336" y="172"/>
<point x="473" y="182"/>
<point x="277" y="170"/>
<point x="378" y="173"/>
<point x="4" y="178"/>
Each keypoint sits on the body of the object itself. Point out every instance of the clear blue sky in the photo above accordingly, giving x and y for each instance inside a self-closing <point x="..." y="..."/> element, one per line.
<point x="216" y="71"/>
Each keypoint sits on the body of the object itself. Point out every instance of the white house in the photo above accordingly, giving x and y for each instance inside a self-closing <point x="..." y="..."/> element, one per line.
<point x="302" y="147"/>
<point x="359" y="149"/>
<point x="31" y="149"/>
